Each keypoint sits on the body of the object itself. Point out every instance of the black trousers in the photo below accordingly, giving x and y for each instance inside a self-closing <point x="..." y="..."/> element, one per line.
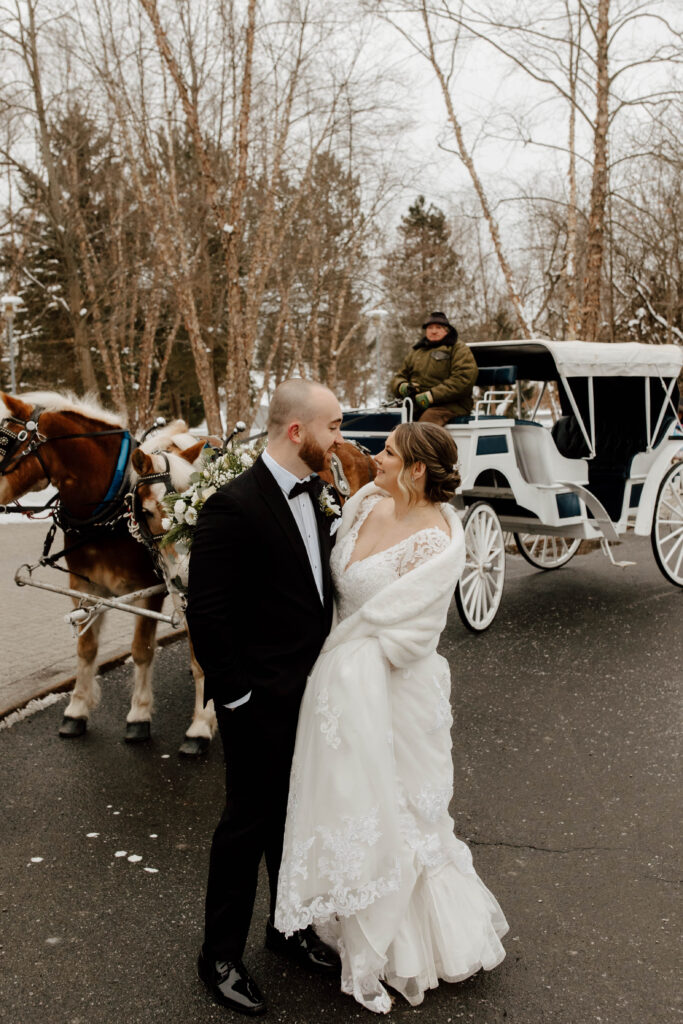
<point x="258" y="744"/>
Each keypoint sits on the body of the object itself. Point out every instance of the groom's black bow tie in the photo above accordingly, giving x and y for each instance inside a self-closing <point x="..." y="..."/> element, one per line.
<point x="310" y="486"/>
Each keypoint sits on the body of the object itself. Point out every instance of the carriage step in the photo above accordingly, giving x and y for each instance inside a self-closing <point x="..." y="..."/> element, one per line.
<point x="72" y="727"/>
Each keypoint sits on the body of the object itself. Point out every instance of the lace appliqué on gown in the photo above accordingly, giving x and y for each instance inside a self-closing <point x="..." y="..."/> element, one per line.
<point x="329" y="718"/>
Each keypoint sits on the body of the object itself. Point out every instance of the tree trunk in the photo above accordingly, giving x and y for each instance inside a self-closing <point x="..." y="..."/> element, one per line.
<point x="591" y="311"/>
<point x="570" y="269"/>
<point x="56" y="208"/>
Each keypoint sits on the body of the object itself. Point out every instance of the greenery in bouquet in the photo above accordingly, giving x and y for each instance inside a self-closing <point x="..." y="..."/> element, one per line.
<point x="215" y="469"/>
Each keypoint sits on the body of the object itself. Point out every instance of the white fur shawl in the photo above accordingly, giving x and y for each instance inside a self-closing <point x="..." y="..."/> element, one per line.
<point x="407" y="616"/>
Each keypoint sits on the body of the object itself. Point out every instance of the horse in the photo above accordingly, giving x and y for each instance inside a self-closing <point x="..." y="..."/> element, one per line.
<point x="84" y="451"/>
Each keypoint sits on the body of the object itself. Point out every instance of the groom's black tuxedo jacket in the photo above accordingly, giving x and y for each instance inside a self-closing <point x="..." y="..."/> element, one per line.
<point x="254" y="612"/>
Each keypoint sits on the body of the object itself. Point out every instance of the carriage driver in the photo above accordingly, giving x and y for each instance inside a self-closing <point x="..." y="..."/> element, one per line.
<point x="438" y="373"/>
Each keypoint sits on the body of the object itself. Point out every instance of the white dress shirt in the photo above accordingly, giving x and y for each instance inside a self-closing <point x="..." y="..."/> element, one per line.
<point x="302" y="509"/>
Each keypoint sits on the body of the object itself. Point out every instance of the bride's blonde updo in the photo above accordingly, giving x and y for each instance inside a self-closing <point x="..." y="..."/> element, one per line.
<point x="434" y="447"/>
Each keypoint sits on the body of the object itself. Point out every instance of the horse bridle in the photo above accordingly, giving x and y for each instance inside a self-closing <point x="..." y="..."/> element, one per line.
<point x="10" y="442"/>
<point x="10" y="457"/>
<point x="137" y="511"/>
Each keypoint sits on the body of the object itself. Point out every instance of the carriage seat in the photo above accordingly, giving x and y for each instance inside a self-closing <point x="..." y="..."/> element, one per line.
<point x="496" y="376"/>
<point x="569" y="439"/>
<point x="539" y="460"/>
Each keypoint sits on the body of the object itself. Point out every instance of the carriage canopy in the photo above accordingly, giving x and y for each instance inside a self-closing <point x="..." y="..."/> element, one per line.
<point x="616" y="399"/>
<point x="539" y="359"/>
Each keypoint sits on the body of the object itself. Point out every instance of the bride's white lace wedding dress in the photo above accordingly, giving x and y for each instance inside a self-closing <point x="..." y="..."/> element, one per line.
<point x="370" y="857"/>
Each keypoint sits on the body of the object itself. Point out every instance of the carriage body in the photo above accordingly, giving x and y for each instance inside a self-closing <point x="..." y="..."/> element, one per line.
<point x="620" y="399"/>
<point x="601" y="470"/>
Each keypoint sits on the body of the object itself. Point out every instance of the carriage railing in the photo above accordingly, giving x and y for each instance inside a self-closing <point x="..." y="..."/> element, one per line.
<point x="501" y="398"/>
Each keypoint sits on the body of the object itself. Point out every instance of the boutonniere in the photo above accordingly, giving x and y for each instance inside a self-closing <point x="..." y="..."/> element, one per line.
<point x="327" y="502"/>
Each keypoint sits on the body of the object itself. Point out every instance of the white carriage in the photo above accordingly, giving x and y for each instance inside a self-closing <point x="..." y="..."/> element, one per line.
<point x="610" y="462"/>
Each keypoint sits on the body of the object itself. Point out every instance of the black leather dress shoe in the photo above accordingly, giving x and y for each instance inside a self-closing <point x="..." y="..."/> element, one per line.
<point x="305" y="948"/>
<point x="231" y="985"/>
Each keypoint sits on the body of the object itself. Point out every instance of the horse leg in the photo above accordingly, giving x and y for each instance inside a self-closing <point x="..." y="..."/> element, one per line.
<point x="86" y="692"/>
<point x="142" y="650"/>
<point x="203" y="724"/>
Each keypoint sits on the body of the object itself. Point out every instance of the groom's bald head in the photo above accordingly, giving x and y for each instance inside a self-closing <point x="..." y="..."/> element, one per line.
<point x="298" y="401"/>
<point x="304" y="422"/>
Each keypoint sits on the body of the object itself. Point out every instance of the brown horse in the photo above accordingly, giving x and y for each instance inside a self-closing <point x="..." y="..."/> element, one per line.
<point x="84" y="452"/>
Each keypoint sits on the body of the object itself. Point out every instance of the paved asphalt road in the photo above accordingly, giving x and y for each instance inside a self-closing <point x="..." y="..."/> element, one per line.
<point x="565" y="740"/>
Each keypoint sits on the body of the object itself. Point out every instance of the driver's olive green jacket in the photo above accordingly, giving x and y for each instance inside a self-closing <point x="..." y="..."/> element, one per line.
<point x="447" y="370"/>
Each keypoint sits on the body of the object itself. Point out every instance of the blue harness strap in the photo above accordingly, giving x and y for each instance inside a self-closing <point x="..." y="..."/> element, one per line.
<point x="119" y="473"/>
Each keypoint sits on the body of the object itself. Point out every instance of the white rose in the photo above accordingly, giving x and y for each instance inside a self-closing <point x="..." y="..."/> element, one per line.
<point x="208" y="492"/>
<point x="166" y="524"/>
<point x="179" y="510"/>
<point x="191" y="516"/>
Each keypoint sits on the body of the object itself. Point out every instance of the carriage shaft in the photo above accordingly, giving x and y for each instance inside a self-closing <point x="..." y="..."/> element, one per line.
<point x="122" y="603"/>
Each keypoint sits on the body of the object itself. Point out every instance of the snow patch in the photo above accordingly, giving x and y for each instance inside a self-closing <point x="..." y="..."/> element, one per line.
<point x="31" y="708"/>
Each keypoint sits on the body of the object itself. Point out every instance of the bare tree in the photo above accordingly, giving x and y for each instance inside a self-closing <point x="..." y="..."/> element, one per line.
<point x="430" y="46"/>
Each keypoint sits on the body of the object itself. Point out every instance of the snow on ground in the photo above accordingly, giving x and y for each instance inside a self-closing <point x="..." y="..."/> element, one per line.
<point x="33" y="706"/>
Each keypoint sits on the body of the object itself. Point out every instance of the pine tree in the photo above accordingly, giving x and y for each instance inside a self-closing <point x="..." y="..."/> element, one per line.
<point x="421" y="274"/>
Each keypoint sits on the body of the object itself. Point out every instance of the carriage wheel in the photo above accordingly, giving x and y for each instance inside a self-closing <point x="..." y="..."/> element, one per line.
<point x="544" y="551"/>
<point x="667" y="526"/>
<point x="480" y="587"/>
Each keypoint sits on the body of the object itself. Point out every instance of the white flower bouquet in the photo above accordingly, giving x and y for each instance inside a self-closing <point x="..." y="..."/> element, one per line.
<point x="215" y="469"/>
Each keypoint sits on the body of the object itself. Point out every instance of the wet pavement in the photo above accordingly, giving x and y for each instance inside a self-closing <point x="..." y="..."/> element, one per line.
<point x="567" y="718"/>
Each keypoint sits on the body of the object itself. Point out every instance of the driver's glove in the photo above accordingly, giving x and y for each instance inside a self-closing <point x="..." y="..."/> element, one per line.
<point x="424" y="400"/>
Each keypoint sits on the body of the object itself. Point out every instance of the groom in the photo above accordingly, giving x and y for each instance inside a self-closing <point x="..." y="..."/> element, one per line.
<point x="259" y="609"/>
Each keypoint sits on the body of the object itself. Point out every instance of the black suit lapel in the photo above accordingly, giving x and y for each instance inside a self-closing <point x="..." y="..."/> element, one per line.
<point x="324" y="525"/>
<point x="278" y="506"/>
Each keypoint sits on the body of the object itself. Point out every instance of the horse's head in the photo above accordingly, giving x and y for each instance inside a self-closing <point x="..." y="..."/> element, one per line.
<point x="19" y="472"/>
<point x="158" y="473"/>
<point x="358" y="465"/>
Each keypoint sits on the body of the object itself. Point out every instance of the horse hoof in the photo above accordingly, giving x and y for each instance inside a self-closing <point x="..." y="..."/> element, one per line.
<point x="72" y="727"/>
<point x="194" y="746"/>
<point x="137" y="732"/>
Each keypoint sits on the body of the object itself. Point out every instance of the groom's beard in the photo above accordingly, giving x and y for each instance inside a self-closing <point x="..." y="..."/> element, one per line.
<point x="314" y="455"/>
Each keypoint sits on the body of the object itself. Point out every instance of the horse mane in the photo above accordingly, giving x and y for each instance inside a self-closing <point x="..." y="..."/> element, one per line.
<point x="174" y="433"/>
<point x="55" y="401"/>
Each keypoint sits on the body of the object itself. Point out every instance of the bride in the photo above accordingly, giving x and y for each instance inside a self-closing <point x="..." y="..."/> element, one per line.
<point x="370" y="858"/>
